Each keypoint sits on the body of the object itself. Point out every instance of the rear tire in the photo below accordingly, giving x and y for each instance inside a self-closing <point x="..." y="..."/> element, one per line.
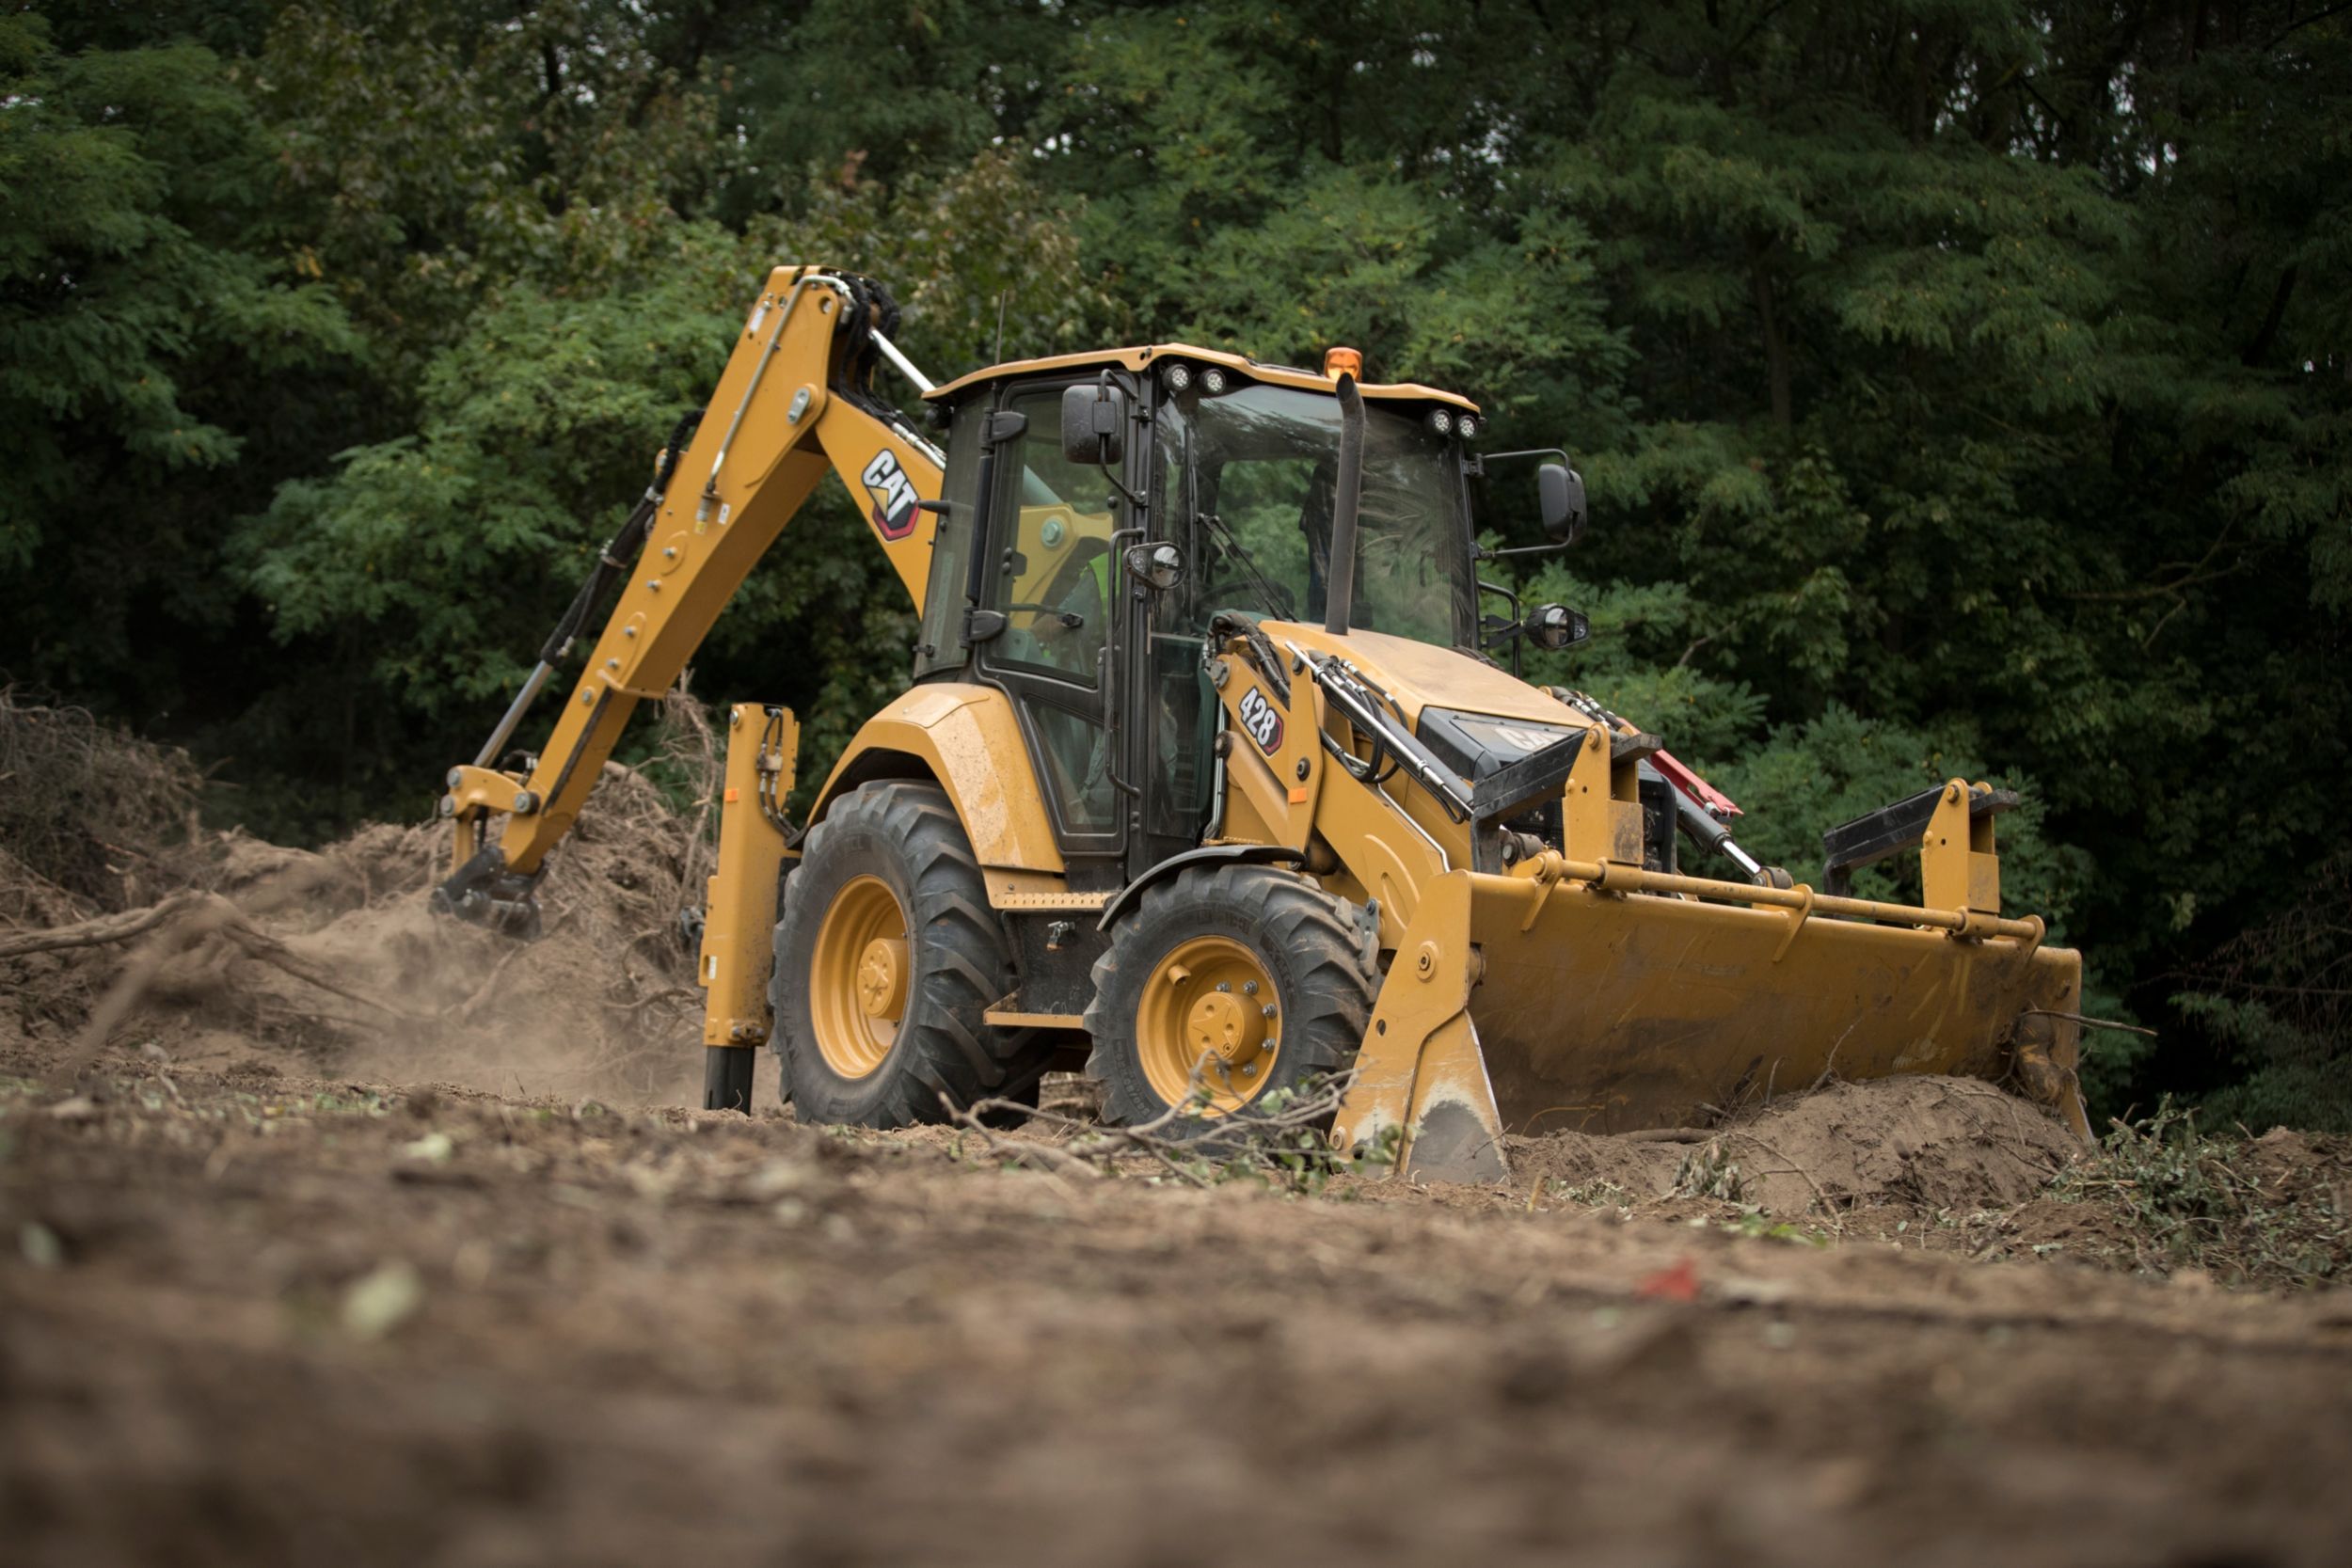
<point x="1197" y="966"/>
<point x="887" y="955"/>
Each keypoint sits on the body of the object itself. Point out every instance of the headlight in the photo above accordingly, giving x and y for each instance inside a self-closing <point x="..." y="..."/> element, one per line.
<point x="1441" y="421"/>
<point x="1466" y="427"/>
<point x="1213" y="381"/>
<point x="1177" y="377"/>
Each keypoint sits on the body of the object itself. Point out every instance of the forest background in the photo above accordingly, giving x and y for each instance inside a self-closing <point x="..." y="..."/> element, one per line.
<point x="1965" y="387"/>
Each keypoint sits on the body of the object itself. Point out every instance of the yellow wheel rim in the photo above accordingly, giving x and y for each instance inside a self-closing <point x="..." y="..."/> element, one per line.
<point x="857" y="990"/>
<point x="1208" y="998"/>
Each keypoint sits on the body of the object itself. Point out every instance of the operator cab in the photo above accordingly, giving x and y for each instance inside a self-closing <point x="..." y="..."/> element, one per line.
<point x="1226" y="471"/>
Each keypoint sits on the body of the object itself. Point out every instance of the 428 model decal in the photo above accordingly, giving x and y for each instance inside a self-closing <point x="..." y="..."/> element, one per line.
<point x="1259" y="718"/>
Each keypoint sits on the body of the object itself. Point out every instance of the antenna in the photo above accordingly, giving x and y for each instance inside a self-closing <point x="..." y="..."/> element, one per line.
<point x="1002" y="295"/>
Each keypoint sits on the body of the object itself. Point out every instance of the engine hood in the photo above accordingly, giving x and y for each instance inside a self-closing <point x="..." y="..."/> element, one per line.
<point x="1421" y="676"/>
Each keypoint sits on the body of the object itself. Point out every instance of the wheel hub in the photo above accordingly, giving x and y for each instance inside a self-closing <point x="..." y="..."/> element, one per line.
<point x="858" y="977"/>
<point x="881" y="978"/>
<point x="1210" y="1006"/>
<point x="1219" y="1024"/>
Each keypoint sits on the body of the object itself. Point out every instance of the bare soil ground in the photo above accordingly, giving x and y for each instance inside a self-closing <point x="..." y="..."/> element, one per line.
<point x="329" y="1233"/>
<point x="258" y="1318"/>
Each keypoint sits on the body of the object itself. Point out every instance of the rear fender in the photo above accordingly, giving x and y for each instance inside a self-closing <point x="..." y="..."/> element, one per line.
<point x="968" y="739"/>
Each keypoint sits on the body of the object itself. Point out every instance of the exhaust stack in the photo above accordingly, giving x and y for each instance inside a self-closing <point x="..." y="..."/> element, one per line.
<point x="1339" y="597"/>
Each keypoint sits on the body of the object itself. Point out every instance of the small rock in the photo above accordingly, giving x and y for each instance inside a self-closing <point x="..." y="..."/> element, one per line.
<point x="1738" y="1292"/>
<point x="432" y="1148"/>
<point x="39" y="1244"/>
<point x="381" y="1301"/>
<point x="778" y="1178"/>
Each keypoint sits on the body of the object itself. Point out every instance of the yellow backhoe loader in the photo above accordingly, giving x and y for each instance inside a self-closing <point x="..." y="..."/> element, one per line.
<point x="1208" y="781"/>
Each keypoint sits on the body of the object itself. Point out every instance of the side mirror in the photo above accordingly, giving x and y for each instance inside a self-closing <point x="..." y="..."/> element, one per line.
<point x="1093" y="423"/>
<point x="1560" y="495"/>
<point x="1158" y="567"/>
<point x="1554" y="626"/>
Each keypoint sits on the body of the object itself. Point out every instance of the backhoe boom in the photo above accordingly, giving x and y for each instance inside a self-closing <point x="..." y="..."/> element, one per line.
<point x="796" y="399"/>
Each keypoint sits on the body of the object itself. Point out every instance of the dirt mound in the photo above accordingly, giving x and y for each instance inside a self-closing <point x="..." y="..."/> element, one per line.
<point x="328" y="963"/>
<point x="1933" y="1143"/>
<point x="93" y="820"/>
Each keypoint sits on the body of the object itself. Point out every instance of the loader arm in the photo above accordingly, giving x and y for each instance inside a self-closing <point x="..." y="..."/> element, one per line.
<point x="795" y="401"/>
<point x="1533" y="987"/>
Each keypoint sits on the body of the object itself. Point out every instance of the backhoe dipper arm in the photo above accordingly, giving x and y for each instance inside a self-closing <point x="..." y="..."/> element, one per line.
<point x="795" y="400"/>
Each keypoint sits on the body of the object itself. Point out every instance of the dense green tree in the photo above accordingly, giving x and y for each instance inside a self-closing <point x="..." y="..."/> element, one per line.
<point x="149" y="318"/>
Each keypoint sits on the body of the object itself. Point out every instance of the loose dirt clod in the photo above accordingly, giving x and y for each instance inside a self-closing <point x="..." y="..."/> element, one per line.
<point x="1930" y="1142"/>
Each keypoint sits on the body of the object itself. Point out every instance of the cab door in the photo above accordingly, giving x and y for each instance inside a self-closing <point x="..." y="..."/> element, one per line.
<point x="1053" y="574"/>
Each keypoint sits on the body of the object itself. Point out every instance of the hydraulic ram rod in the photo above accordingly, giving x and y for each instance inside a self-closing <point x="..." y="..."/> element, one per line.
<point x="1348" y="696"/>
<point x="1711" y="835"/>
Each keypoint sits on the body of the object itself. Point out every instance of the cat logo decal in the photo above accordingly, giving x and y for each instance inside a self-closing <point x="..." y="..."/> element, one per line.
<point x="894" y="496"/>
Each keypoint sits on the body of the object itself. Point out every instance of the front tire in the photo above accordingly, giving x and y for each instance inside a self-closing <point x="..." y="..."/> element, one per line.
<point x="1253" y="972"/>
<point x="887" y="955"/>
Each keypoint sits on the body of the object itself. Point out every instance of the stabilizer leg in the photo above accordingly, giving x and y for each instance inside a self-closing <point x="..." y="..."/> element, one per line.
<point x="727" y="1071"/>
<point x="1420" y="1069"/>
<point x="740" y="917"/>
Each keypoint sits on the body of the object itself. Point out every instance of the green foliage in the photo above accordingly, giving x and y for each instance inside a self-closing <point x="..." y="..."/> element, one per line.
<point x="2269" y="1212"/>
<point x="451" y="543"/>
<point x="145" y="311"/>
<point x="2277" y="998"/>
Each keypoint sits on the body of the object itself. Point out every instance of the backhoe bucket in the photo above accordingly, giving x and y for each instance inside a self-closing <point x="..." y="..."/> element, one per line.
<point x="1549" y="1001"/>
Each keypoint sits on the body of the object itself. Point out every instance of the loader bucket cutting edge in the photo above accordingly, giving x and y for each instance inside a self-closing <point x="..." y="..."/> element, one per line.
<point x="1602" y="1012"/>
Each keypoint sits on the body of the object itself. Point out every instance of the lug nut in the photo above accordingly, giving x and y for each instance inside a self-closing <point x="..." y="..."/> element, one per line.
<point x="1250" y="988"/>
<point x="1266" y="1011"/>
<point x="1225" y="985"/>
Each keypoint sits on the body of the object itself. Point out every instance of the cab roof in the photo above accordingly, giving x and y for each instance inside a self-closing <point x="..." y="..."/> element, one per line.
<point x="1138" y="358"/>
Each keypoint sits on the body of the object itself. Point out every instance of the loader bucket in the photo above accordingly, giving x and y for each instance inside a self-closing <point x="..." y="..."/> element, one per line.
<point x="1590" y="1010"/>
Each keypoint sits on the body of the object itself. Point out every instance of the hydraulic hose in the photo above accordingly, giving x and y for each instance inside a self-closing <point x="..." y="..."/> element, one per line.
<point x="611" y="562"/>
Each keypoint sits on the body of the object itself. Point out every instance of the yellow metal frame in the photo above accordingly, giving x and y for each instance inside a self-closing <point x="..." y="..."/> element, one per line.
<point x="775" y="428"/>
<point x="1576" y="991"/>
<point x="1140" y="358"/>
<point x="1582" y="991"/>
<point x="739" y="912"/>
<point x="968" y="739"/>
